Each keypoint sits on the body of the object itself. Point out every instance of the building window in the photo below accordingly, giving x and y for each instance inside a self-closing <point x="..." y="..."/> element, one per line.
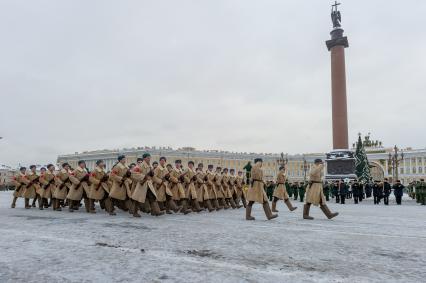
<point x="401" y="170"/>
<point x="420" y="170"/>
<point x="414" y="170"/>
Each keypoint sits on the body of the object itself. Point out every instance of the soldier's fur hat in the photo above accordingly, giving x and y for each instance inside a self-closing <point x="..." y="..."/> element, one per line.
<point x="99" y="162"/>
<point x="121" y="157"/>
<point x="281" y="168"/>
<point x="225" y="169"/>
<point x="210" y="166"/>
<point x="49" y="165"/>
<point x="32" y="166"/>
<point x="231" y="170"/>
<point x="258" y="160"/>
<point x="139" y="159"/>
<point x="318" y="160"/>
<point x="65" y="164"/>
<point x="178" y="161"/>
<point x="163" y="158"/>
<point x="191" y="162"/>
<point x="145" y="155"/>
<point x="81" y="162"/>
<point x="155" y="162"/>
<point x="422" y="180"/>
<point x="22" y="168"/>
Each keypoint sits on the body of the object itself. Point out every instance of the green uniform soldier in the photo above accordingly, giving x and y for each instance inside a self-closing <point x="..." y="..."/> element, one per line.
<point x="421" y="192"/>
<point x="288" y="188"/>
<point x="302" y="190"/>
<point x="327" y="191"/>
<point x="295" y="189"/>
<point x="270" y="186"/>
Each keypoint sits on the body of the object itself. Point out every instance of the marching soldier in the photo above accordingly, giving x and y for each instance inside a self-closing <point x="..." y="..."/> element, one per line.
<point x="356" y="190"/>
<point x="161" y="182"/>
<point x="201" y="187"/>
<point x="63" y="184"/>
<point x="32" y="186"/>
<point x="295" y="189"/>
<point x="314" y="194"/>
<point x="233" y="187"/>
<point x="19" y="181"/>
<point x="99" y="190"/>
<point x="226" y="189"/>
<point x="143" y="188"/>
<point x="48" y="186"/>
<point x="239" y="190"/>
<point x="280" y="192"/>
<point x="190" y="177"/>
<point x="177" y="178"/>
<point x="218" y="188"/>
<point x="211" y="190"/>
<point x="39" y="190"/>
<point x="256" y="192"/>
<point x="398" y="191"/>
<point x="79" y="179"/>
<point x="343" y="191"/>
<point x="368" y="189"/>
<point x="386" y="191"/>
<point x="302" y="191"/>
<point x="120" y="183"/>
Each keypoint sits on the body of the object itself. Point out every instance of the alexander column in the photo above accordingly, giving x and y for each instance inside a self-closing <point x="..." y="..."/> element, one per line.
<point x="336" y="45"/>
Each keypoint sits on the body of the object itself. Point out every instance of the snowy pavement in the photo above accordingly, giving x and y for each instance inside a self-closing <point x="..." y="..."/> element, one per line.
<point x="365" y="243"/>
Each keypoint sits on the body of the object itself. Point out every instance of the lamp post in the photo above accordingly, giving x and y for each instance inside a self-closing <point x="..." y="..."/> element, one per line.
<point x="305" y="167"/>
<point x="393" y="162"/>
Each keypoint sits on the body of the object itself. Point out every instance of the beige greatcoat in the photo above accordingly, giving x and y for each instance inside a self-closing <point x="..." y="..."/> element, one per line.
<point x="218" y="185"/>
<point x="190" y="191"/>
<point x="120" y="184"/>
<point x="256" y="192"/>
<point x="160" y="183"/>
<point x="280" y="191"/>
<point x="314" y="192"/>
<point x="19" y="181"/>
<point x="210" y="192"/>
<point x="77" y="187"/>
<point x="225" y="186"/>
<point x="201" y="187"/>
<point x="63" y="184"/>
<point x="32" y="186"/>
<point x="48" y="184"/>
<point x="142" y="182"/>
<point x="239" y="186"/>
<point x="98" y="189"/>
<point x="177" y="187"/>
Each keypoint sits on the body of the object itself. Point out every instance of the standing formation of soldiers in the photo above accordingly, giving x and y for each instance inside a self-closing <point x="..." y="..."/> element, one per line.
<point x="157" y="189"/>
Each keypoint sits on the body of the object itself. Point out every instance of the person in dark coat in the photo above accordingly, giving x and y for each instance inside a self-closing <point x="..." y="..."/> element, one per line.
<point x="387" y="189"/>
<point x="335" y="191"/>
<point x="327" y="191"/>
<point x="343" y="191"/>
<point x="398" y="191"/>
<point x="368" y="189"/>
<point x="377" y="192"/>
<point x="356" y="191"/>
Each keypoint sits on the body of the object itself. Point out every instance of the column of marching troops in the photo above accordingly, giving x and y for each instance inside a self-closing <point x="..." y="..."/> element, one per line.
<point x="162" y="188"/>
<point x="158" y="188"/>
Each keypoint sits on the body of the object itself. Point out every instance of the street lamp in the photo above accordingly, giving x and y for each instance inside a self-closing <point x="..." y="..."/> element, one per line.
<point x="305" y="167"/>
<point x="394" y="160"/>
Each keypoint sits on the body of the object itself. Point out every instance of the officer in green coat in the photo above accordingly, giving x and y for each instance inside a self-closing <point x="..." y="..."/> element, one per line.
<point x="270" y="187"/>
<point x="295" y="189"/>
<point x="421" y="192"/>
<point x="302" y="190"/>
<point x="288" y="188"/>
<point x="326" y="191"/>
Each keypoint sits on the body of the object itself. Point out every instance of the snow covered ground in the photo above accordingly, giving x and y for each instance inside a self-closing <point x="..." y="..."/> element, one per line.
<point x="365" y="243"/>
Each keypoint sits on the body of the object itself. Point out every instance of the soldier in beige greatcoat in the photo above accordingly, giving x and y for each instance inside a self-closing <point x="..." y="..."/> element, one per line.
<point x="63" y="183"/>
<point x="227" y="188"/>
<point x="39" y="190"/>
<point x="239" y="189"/>
<point x="162" y="187"/>
<point x="79" y="188"/>
<point x="177" y="179"/>
<point x="280" y="192"/>
<point x="314" y="192"/>
<point x="256" y="193"/>
<point x="233" y="187"/>
<point x="47" y="183"/>
<point x="219" y="189"/>
<point x="99" y="189"/>
<point x="143" y="187"/>
<point x="211" y="190"/>
<point x="120" y="183"/>
<point x="31" y="188"/>
<point x="190" y="178"/>
<point x="201" y="187"/>
<point x="19" y="181"/>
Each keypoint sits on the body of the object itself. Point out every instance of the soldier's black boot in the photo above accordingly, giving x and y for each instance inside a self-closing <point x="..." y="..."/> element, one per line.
<point x="306" y="208"/>
<point x="248" y="213"/>
<point x="327" y="211"/>
<point x="289" y="205"/>
<point x="268" y="211"/>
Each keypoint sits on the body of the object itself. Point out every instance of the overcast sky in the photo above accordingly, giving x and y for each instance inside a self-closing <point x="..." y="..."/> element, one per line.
<point x="237" y="75"/>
